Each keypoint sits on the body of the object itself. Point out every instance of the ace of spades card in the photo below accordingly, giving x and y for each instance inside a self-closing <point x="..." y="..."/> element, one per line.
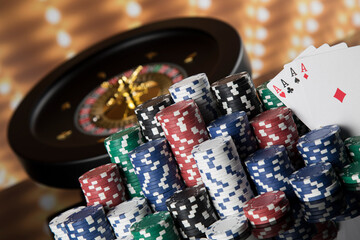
<point x="286" y="85"/>
<point x="327" y="91"/>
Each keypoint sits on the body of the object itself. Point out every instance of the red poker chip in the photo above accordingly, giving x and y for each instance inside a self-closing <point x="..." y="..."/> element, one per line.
<point x="271" y="115"/>
<point x="109" y="203"/>
<point x="287" y="218"/>
<point x="186" y="161"/>
<point x="272" y="143"/>
<point x="179" y="141"/>
<point x="106" y="198"/>
<point x="282" y="139"/>
<point x="99" y="173"/>
<point x="103" y="181"/>
<point x="191" y="127"/>
<point x="92" y="194"/>
<point x="191" y="183"/>
<point x="277" y="129"/>
<point x="286" y="138"/>
<point x="187" y="129"/>
<point x="265" y="217"/>
<point x="109" y="188"/>
<point x="268" y="132"/>
<point x="264" y="202"/>
<point x="117" y="197"/>
<point x="182" y="118"/>
<point x="191" y="141"/>
<point x="270" y="231"/>
<point x="287" y="121"/>
<point x="190" y="165"/>
<point x="181" y="138"/>
<point x="268" y="203"/>
<point x="184" y="128"/>
<point x="270" y="218"/>
<point x="176" y="108"/>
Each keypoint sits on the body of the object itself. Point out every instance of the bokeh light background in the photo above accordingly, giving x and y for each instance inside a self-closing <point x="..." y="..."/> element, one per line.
<point x="38" y="35"/>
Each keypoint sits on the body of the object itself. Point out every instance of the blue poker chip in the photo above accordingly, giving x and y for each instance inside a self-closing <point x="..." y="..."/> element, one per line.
<point x="312" y="172"/>
<point x="156" y="171"/>
<point x="151" y="147"/>
<point x="266" y="155"/>
<point x="319" y="136"/>
<point x="269" y="169"/>
<point x="238" y="127"/>
<point x="228" y="120"/>
<point x="79" y="218"/>
<point x="57" y="224"/>
<point x="89" y="223"/>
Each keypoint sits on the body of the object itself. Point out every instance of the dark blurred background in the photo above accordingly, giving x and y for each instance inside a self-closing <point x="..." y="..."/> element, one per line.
<point x="38" y="35"/>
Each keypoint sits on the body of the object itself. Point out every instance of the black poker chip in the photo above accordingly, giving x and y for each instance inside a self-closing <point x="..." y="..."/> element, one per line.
<point x="237" y="93"/>
<point x="192" y="211"/>
<point x="146" y="112"/>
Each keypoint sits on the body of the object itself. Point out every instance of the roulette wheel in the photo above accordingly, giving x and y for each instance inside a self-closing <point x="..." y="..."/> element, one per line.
<point x="59" y="128"/>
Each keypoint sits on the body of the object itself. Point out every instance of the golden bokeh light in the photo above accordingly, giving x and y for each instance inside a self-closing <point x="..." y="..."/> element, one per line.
<point x="40" y="35"/>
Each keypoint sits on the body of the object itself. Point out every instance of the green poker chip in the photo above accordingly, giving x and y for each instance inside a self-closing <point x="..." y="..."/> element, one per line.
<point x="350" y="174"/>
<point x="268" y="98"/>
<point x="118" y="145"/>
<point x="270" y="101"/>
<point x="353" y="146"/>
<point x="155" y="226"/>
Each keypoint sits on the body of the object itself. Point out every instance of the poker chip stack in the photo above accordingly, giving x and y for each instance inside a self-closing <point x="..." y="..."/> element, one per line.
<point x="125" y="214"/>
<point x="223" y="175"/>
<point x="157" y="226"/>
<point x="197" y="87"/>
<point x="324" y="145"/>
<point x="268" y="98"/>
<point x="270" y="231"/>
<point x="103" y="185"/>
<point x="57" y="224"/>
<point x="325" y="231"/>
<point x="238" y="127"/>
<point x="267" y="209"/>
<point x="353" y="146"/>
<point x="276" y="127"/>
<point x="351" y="209"/>
<point x="237" y="93"/>
<point x="157" y="172"/>
<point x="184" y="128"/>
<point x="118" y="146"/>
<point x="315" y="182"/>
<point x="269" y="169"/>
<point x="299" y="230"/>
<point x="192" y="211"/>
<point x="146" y="116"/>
<point x="230" y="227"/>
<point x="271" y="101"/>
<point x="324" y="209"/>
<point x="350" y="176"/>
<point x="89" y="223"/>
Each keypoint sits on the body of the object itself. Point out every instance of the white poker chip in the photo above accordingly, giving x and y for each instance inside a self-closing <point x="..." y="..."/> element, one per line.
<point x="57" y="224"/>
<point x="228" y="227"/>
<point x="223" y="175"/>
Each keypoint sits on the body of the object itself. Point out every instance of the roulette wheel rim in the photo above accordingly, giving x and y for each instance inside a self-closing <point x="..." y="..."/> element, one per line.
<point x="60" y="166"/>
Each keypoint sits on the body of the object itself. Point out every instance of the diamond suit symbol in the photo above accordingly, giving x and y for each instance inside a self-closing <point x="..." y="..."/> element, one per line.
<point x="339" y="95"/>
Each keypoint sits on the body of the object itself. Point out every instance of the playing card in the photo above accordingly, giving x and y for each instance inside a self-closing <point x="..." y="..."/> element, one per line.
<point x="287" y="85"/>
<point x="332" y="89"/>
